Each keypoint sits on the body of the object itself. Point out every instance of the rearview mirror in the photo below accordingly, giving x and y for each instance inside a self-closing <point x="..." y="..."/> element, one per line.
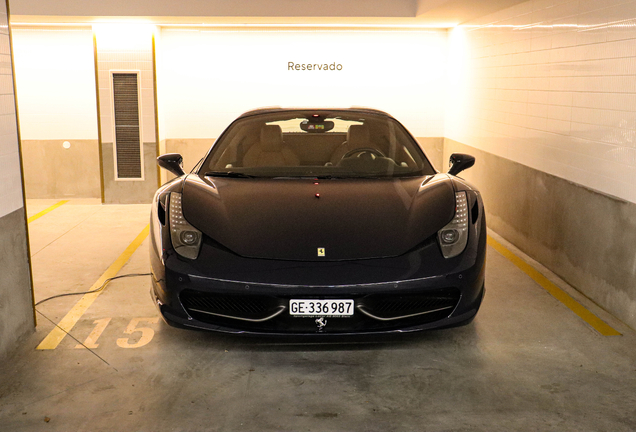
<point x="173" y="162"/>
<point x="316" y="126"/>
<point x="459" y="162"/>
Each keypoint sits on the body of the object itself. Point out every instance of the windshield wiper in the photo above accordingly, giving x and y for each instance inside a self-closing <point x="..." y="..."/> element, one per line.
<point x="343" y="176"/>
<point x="331" y="176"/>
<point x="228" y="174"/>
<point x="309" y="177"/>
<point x="368" y="176"/>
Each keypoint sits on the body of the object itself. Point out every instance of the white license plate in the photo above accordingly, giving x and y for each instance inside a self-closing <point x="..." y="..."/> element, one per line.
<point x="327" y="308"/>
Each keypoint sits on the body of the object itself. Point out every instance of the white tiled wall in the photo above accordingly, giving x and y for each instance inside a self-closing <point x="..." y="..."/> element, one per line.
<point x="552" y="85"/>
<point x="10" y="177"/>
<point x="135" y="56"/>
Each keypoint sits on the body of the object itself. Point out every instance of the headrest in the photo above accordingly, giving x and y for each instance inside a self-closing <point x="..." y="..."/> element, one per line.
<point x="358" y="136"/>
<point x="271" y="138"/>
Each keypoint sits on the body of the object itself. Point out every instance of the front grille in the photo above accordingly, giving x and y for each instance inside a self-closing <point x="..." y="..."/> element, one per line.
<point x="263" y="313"/>
<point x="239" y="306"/>
<point x="390" y="307"/>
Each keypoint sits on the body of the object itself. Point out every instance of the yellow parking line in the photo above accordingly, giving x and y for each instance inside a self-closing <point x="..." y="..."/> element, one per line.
<point x="43" y="212"/>
<point x="53" y="339"/>
<point x="576" y="307"/>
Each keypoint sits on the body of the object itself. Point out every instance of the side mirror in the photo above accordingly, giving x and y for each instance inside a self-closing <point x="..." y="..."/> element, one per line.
<point x="459" y="162"/>
<point x="173" y="162"/>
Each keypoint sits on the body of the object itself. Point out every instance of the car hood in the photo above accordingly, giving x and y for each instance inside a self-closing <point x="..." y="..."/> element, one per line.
<point x="349" y="218"/>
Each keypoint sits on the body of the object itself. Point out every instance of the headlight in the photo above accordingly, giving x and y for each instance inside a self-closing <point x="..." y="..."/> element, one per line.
<point x="186" y="239"/>
<point x="454" y="236"/>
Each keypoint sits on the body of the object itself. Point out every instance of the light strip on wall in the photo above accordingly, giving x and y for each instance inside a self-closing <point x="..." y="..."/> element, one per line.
<point x="626" y="23"/>
<point x="320" y="26"/>
<point x="340" y="26"/>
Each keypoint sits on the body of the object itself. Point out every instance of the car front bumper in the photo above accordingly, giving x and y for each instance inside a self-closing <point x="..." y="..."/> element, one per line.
<point x="187" y="298"/>
<point x="224" y="292"/>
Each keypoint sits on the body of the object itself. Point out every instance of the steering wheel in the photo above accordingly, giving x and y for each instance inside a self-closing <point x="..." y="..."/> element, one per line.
<point x="362" y="150"/>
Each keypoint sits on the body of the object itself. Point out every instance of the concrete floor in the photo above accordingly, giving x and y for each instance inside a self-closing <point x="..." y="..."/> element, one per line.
<point x="527" y="363"/>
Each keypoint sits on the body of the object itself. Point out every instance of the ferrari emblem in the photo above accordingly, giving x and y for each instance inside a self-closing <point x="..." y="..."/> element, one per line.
<point x="321" y="323"/>
<point x="321" y="251"/>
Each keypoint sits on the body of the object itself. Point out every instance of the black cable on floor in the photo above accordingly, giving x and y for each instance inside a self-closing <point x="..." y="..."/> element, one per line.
<point x="95" y="290"/>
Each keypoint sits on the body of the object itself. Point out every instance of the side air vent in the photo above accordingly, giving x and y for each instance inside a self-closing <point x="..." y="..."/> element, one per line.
<point x="127" y="137"/>
<point x="474" y="212"/>
<point x="161" y="213"/>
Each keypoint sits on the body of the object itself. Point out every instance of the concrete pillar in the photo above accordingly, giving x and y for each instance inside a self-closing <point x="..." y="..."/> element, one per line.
<point x="126" y="48"/>
<point x="16" y="288"/>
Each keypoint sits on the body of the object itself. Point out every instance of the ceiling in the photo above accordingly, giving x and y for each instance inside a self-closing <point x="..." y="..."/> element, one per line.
<point x="417" y="13"/>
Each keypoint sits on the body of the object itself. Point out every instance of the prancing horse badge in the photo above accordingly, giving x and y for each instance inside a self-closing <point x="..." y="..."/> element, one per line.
<point x="321" y="251"/>
<point x="321" y="323"/>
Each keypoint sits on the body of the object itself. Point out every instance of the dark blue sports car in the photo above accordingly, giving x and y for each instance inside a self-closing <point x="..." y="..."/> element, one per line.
<point x="317" y="221"/>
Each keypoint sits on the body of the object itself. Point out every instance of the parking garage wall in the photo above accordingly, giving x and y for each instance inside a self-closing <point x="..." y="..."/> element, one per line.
<point x="204" y="85"/>
<point x="55" y="80"/>
<point x="434" y="149"/>
<point x="584" y="236"/>
<point x="544" y="93"/>
<point x="16" y="295"/>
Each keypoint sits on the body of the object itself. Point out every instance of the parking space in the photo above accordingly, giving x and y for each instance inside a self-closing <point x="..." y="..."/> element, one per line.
<point x="527" y="362"/>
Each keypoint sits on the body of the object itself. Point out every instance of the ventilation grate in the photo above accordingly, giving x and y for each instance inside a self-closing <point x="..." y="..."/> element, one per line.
<point x="127" y="142"/>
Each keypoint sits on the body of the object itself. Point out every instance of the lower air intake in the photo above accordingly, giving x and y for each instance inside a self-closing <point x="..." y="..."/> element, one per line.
<point x="388" y="307"/>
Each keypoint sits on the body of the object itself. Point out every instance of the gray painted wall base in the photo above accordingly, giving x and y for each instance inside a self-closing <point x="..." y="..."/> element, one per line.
<point x="130" y="191"/>
<point x="585" y="237"/>
<point x="16" y="301"/>
<point x="192" y="150"/>
<point x="52" y="171"/>
<point x="434" y="149"/>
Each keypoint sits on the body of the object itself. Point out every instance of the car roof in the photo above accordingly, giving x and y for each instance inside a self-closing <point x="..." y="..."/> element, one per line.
<point x="274" y="109"/>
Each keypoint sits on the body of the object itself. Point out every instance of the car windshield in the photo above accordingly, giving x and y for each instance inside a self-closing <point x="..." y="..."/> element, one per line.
<point x="302" y="143"/>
